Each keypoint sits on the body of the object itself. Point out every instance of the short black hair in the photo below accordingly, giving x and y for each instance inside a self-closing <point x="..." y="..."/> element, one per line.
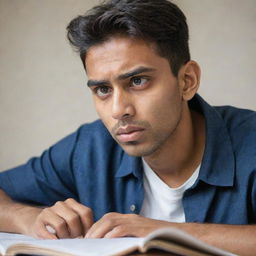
<point x="157" y="21"/>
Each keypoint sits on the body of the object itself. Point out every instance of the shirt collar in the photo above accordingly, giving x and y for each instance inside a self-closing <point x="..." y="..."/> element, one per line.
<point x="130" y="165"/>
<point x="218" y="164"/>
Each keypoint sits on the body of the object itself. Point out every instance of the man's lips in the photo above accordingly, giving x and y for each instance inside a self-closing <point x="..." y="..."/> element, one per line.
<point x="128" y="129"/>
<point x="129" y="133"/>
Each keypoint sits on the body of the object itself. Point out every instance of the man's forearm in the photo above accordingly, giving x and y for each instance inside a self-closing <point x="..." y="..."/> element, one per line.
<point x="64" y="219"/>
<point x="239" y="239"/>
<point x="13" y="215"/>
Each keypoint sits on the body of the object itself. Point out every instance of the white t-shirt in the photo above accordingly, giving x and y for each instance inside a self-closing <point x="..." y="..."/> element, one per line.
<point x="162" y="202"/>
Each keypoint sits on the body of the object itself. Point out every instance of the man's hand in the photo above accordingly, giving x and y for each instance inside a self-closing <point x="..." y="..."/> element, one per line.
<point x="239" y="239"/>
<point x="119" y="225"/>
<point x="68" y="219"/>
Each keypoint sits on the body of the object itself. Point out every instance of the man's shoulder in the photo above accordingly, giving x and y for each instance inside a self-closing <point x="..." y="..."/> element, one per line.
<point x="88" y="137"/>
<point x="93" y="128"/>
<point x="94" y="132"/>
<point x="238" y="120"/>
<point x="241" y="126"/>
<point x="88" y="144"/>
<point x="237" y="117"/>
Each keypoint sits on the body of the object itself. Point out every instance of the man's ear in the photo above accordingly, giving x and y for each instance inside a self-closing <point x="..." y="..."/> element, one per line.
<point x="189" y="79"/>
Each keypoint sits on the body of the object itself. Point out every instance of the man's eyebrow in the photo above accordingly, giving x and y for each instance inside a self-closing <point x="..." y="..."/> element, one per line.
<point x="124" y="76"/>
<point x="97" y="83"/>
<point x="135" y="72"/>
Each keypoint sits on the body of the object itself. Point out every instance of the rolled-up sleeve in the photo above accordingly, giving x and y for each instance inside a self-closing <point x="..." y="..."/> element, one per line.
<point x="45" y="179"/>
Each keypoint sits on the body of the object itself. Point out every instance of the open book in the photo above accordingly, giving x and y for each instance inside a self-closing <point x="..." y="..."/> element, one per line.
<point x="169" y="239"/>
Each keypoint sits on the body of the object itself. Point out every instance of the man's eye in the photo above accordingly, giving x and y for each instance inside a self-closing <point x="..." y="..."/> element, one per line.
<point x="138" y="81"/>
<point x="102" y="91"/>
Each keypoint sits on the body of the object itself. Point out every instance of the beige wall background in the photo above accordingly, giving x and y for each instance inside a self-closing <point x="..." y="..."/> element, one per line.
<point x="43" y="94"/>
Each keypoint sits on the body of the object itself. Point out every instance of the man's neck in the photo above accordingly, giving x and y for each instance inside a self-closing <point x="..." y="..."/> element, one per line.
<point x="176" y="161"/>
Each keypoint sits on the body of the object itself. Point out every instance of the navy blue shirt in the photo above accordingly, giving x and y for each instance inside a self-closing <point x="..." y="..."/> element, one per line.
<point x="92" y="168"/>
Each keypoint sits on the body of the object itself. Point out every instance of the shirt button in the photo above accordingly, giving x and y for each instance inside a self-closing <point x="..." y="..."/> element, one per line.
<point x="132" y="207"/>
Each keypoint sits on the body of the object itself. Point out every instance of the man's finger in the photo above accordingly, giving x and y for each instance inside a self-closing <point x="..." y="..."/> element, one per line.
<point x="50" y="229"/>
<point x="48" y="217"/>
<point x="85" y="214"/>
<point x="70" y="217"/>
<point x="103" y="226"/>
<point x="121" y="231"/>
<point x="41" y="231"/>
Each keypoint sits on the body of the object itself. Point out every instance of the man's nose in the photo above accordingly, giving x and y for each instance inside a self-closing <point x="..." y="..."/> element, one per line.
<point x="122" y="106"/>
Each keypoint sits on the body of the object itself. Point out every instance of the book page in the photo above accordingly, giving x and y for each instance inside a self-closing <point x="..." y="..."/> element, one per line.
<point x="180" y="237"/>
<point x="14" y="236"/>
<point x="78" y="246"/>
<point x="7" y="239"/>
<point x="111" y="246"/>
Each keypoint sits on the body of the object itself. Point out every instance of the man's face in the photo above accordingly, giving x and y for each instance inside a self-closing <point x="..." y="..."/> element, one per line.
<point x="135" y="93"/>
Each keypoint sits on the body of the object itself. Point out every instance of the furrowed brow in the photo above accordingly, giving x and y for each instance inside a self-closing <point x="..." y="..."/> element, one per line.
<point x="135" y="72"/>
<point x="124" y="76"/>
<point x="97" y="83"/>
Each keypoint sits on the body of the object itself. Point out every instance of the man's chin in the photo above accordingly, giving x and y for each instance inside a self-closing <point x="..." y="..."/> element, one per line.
<point x="135" y="149"/>
<point x="131" y="148"/>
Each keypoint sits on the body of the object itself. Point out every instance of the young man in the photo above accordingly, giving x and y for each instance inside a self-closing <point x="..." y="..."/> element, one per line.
<point x="159" y="156"/>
